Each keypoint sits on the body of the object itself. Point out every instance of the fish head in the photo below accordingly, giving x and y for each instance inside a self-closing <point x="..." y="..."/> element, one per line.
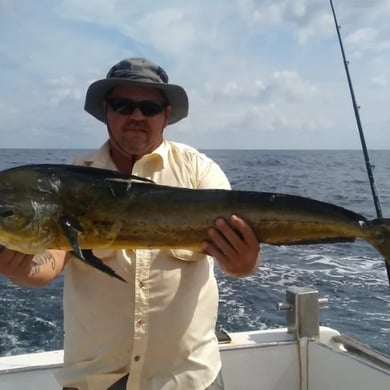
<point x="27" y="214"/>
<point x="27" y="226"/>
<point x="13" y="218"/>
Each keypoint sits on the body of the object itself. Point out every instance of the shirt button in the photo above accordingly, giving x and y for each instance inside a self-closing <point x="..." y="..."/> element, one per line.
<point x="137" y="358"/>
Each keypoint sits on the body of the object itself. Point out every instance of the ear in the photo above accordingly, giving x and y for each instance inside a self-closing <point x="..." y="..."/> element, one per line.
<point x="104" y="105"/>
<point x="168" y="111"/>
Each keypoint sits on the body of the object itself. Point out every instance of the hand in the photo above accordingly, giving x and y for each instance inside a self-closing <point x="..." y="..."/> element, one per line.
<point x="234" y="246"/>
<point x="14" y="264"/>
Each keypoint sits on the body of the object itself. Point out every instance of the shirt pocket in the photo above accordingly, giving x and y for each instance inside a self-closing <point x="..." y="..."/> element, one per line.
<point x="105" y="254"/>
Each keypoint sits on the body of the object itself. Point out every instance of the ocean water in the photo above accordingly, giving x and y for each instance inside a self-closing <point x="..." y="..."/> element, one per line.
<point x="351" y="275"/>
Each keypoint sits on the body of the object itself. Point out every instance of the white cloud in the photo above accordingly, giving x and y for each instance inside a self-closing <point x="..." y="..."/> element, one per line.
<point x="257" y="70"/>
<point x="278" y="86"/>
<point x="362" y="36"/>
<point x="62" y="88"/>
<point x="367" y="39"/>
<point x="306" y="19"/>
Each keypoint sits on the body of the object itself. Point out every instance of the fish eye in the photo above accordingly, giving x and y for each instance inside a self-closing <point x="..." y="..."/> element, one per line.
<point x="6" y="212"/>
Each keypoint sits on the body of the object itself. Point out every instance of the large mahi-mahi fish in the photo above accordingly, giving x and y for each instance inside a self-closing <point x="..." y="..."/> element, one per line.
<point x="78" y="208"/>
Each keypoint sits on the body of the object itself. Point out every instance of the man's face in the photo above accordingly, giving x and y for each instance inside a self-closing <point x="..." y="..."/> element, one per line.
<point x="133" y="131"/>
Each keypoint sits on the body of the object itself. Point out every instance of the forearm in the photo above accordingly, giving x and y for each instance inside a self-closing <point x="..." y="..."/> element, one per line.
<point x="29" y="270"/>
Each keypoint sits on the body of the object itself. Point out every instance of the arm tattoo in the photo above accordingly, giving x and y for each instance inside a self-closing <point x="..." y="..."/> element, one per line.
<point x="46" y="259"/>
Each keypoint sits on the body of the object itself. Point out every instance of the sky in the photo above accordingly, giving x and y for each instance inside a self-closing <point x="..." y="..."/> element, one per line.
<point x="260" y="74"/>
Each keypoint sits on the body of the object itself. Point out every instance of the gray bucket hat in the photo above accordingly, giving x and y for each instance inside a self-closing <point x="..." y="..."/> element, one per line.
<point x="136" y="72"/>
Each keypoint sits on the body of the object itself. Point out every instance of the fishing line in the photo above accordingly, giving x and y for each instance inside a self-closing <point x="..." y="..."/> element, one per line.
<point x="356" y="108"/>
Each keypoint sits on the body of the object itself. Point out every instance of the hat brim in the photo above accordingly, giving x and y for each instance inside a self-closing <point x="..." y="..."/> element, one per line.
<point x="175" y="95"/>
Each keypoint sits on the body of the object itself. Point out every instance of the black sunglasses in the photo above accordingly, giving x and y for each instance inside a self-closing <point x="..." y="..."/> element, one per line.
<point x="126" y="106"/>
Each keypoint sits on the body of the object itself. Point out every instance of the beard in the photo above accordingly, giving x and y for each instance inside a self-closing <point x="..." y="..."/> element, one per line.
<point x="135" y="138"/>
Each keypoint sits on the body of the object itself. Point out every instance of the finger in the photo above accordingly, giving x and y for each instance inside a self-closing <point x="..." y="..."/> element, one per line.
<point x="245" y="230"/>
<point x="221" y="241"/>
<point x="223" y="261"/>
<point x="233" y="237"/>
<point x="228" y="258"/>
<point x="210" y="249"/>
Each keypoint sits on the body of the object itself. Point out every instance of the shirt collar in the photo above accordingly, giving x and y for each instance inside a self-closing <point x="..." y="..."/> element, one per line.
<point x="161" y="152"/>
<point x="102" y="158"/>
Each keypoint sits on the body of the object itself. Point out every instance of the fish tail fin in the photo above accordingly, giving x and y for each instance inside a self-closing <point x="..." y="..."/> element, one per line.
<point x="379" y="236"/>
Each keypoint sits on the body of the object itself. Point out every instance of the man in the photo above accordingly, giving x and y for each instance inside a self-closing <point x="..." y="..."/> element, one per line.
<point x="157" y="330"/>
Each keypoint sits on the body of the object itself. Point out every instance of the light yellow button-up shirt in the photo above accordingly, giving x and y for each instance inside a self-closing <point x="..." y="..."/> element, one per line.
<point x="159" y="327"/>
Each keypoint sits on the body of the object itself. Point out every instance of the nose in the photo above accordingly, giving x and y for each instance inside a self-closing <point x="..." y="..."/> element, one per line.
<point x="137" y="114"/>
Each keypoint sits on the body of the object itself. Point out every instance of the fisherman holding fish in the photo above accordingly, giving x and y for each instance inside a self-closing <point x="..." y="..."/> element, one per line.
<point x="157" y="330"/>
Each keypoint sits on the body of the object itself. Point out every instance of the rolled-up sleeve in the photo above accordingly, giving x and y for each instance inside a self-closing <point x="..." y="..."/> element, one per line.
<point x="210" y="175"/>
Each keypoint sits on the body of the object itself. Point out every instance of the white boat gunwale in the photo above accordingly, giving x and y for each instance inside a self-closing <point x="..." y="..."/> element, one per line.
<point x="301" y="356"/>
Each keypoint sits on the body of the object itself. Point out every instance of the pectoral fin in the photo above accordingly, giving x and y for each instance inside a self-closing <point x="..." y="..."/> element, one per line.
<point x="71" y="231"/>
<point x="88" y="257"/>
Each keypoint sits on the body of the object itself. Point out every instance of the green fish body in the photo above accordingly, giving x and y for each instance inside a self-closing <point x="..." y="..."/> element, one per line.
<point x="82" y="208"/>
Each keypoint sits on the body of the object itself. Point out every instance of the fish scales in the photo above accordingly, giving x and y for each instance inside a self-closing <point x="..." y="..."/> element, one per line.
<point x="150" y="216"/>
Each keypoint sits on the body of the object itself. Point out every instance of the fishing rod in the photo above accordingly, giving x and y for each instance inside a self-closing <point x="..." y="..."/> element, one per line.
<point x="369" y="166"/>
